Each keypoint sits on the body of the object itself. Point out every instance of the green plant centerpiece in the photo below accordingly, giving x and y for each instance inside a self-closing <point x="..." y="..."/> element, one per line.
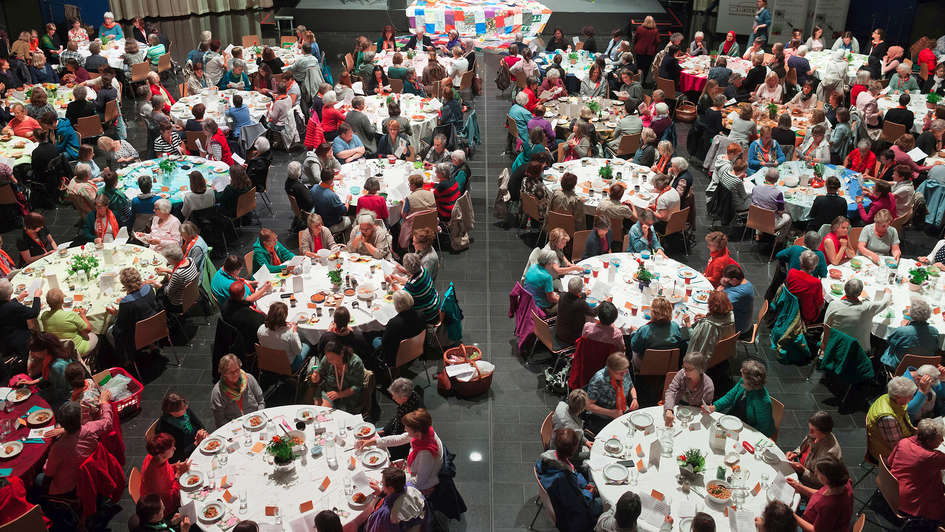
<point x="917" y="276"/>
<point x="772" y="111"/>
<point x="166" y="165"/>
<point x="819" y="170"/>
<point x="411" y="53"/>
<point x="257" y="50"/>
<point x="932" y="99"/>
<point x="573" y="57"/>
<point x="281" y="450"/>
<point x="606" y="172"/>
<point x="642" y="275"/>
<point x="336" y="278"/>
<point x="594" y="106"/>
<point x="84" y="263"/>
<point x="691" y="462"/>
<point x="390" y="100"/>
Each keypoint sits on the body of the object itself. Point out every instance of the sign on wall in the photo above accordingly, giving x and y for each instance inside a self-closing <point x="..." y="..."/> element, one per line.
<point x="736" y="15"/>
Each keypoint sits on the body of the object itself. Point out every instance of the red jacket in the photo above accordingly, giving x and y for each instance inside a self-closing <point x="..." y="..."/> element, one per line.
<point x="113" y="441"/>
<point x="808" y="291"/>
<point x="13" y="503"/>
<point x="157" y="90"/>
<point x="645" y="41"/>
<point x="589" y="357"/>
<point x="314" y="134"/>
<point x="225" y="154"/>
<point x="99" y="474"/>
<point x="919" y="473"/>
<point x="160" y="479"/>
<point x="927" y="57"/>
<point x="331" y="118"/>
<point x="717" y="262"/>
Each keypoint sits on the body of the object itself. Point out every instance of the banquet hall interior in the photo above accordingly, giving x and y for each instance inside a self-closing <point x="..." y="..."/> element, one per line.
<point x="750" y="224"/>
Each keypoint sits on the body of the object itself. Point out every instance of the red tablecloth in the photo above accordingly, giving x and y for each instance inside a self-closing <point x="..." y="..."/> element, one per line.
<point x="691" y="82"/>
<point x="33" y="453"/>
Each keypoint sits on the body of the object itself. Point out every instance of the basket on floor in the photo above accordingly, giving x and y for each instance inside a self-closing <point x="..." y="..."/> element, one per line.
<point x="129" y="404"/>
<point x="479" y="383"/>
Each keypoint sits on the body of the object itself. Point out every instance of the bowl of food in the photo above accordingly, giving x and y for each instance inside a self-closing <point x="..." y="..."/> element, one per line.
<point x="305" y="414"/>
<point x="718" y="491"/>
<point x="318" y="297"/>
<point x="211" y="513"/>
<point x="835" y="273"/>
<point x="613" y="446"/>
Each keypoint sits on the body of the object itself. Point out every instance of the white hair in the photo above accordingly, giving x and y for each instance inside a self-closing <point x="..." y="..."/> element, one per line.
<point x="402" y="300"/>
<point x="367" y="217"/>
<point x="6" y="289"/>
<point x="575" y="285"/>
<point x="863" y="143"/>
<point x="458" y="156"/>
<point x="699" y="34"/>
<point x="900" y="387"/>
<point x="401" y="386"/>
<point x="546" y="256"/>
<point x="919" y="310"/>
<point x="853" y="288"/>
<point x="294" y="170"/>
<point x="680" y="163"/>
<point x="521" y="98"/>
<point x="801" y="50"/>
<point x="261" y="144"/>
<point x="903" y="68"/>
<point x="330" y="98"/>
<point x="173" y="253"/>
<point x="108" y="14"/>
<point x="929" y="370"/>
<point x="163" y="205"/>
<point x="771" y="175"/>
<point x="83" y="169"/>
<point x="553" y="73"/>
<point x="239" y="63"/>
<point x="661" y="109"/>
<point x="518" y="36"/>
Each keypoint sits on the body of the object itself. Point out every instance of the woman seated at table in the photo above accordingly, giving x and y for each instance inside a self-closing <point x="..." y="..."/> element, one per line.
<point x="340" y="375"/>
<point x="35" y="242"/>
<point x="594" y="85"/>
<point x="806" y="287"/>
<point x="661" y="332"/>
<point x="878" y="238"/>
<point x="577" y="502"/>
<point x="159" y="476"/>
<point x="831" y="506"/>
<point x="156" y="89"/>
<point x="395" y="143"/>
<point x="862" y="159"/>
<point x="578" y="144"/>
<point x="917" y="337"/>
<point x="917" y="463"/>
<point x="408" y="400"/>
<point x="819" y="444"/>
<point x="199" y="197"/>
<point x="609" y="391"/>
<point x="881" y="198"/>
<point x="412" y="85"/>
<point x="315" y="237"/>
<point x="539" y="281"/>
<point x="165" y="227"/>
<point x="387" y="41"/>
<point x="239" y="184"/>
<point x="21" y="125"/>
<point x="425" y="458"/>
<point x="565" y="201"/>
<point x="99" y="223"/>
<point x="276" y="334"/>
<point x="646" y="153"/>
<point x="603" y="330"/>
<point x="748" y="400"/>
<point x="406" y="324"/>
<point x="719" y="256"/>
<point x="41" y="71"/>
<point x="182" y="424"/>
<point x="816" y="148"/>
<point x="569" y="414"/>
<point x="598" y="241"/>
<point x="769" y="91"/>
<point x="642" y="236"/>
<point x="690" y="386"/>
<point x="236" y="393"/>
<point x="554" y="83"/>
<point x="169" y="141"/>
<point x="67" y="324"/>
<point x="422" y="240"/>
<point x="717" y="325"/>
<point x="47" y="364"/>
<point x="377" y="82"/>
<point x="370" y="237"/>
<point x="835" y="244"/>
<point x="743" y="128"/>
<point x="269" y="252"/>
<point x="806" y="100"/>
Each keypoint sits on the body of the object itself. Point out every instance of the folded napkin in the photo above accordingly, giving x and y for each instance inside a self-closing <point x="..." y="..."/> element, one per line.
<point x="5" y="472"/>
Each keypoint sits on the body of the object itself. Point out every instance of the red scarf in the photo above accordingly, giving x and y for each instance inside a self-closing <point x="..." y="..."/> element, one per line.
<point x="102" y="224"/>
<point x="621" y="405"/>
<point x="6" y="263"/>
<point x="275" y="257"/>
<point x="316" y="240"/>
<point x="764" y="152"/>
<point x="811" y="148"/>
<point x="661" y="164"/>
<point x="425" y="443"/>
<point x="728" y="44"/>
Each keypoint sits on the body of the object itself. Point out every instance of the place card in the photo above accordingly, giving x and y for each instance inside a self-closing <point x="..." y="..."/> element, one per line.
<point x="639" y="450"/>
<point x="306" y="506"/>
<point x="741" y="520"/>
<point x="656" y="449"/>
<point x="272" y="511"/>
<point x="757" y="489"/>
<point x="257" y="447"/>
<point x="303" y="523"/>
<point x="325" y="483"/>
<point x="227" y="496"/>
<point x="653" y="511"/>
<point x="657" y="495"/>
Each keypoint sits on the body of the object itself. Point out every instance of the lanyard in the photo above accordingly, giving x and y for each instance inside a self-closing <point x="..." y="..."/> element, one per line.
<point x="38" y="242"/>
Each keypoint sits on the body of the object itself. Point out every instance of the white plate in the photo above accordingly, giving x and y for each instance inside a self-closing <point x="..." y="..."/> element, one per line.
<point x="40" y="417"/>
<point x="10" y="449"/>
<point x="13" y="396"/>
<point x="616" y="473"/>
<point x="249" y="426"/>
<point x="356" y="505"/>
<point x="612" y="444"/>
<point x="685" y="524"/>
<point x="206" y="444"/>
<point x="305" y="414"/>
<point x="381" y="458"/>
<point x="731" y="423"/>
<point x="220" y="510"/>
<point x="187" y="482"/>
<point x="641" y="420"/>
<point x="360" y="433"/>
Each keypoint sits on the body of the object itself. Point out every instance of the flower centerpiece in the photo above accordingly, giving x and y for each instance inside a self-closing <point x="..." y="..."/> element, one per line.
<point x="166" y="165"/>
<point x="819" y="170"/>
<point x="84" y="263"/>
<point x="390" y="100"/>
<point x="572" y="57"/>
<point x="594" y="106"/>
<point x="281" y="451"/>
<point x="606" y="172"/>
<point x="691" y="462"/>
<point x="335" y="277"/>
<point x="772" y="111"/>
<point x="642" y="275"/>
<point x="917" y="276"/>
<point x="411" y="53"/>
<point x="932" y="100"/>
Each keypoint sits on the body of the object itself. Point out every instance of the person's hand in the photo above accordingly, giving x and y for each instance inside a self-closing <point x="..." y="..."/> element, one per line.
<point x="185" y="524"/>
<point x="376" y="486"/>
<point x="923" y="260"/>
<point x="154" y="241"/>
<point x="708" y="409"/>
<point x="859" y="200"/>
<point x="668" y="418"/>
<point x="54" y="433"/>
<point x="361" y="444"/>
<point x="200" y="436"/>
<point x="332" y="396"/>
<point x="669" y="519"/>
<point x="111" y="310"/>
<point x="82" y="312"/>
<point x="591" y="488"/>
<point x="267" y="286"/>
<point x="98" y="241"/>
<point x="790" y="455"/>
<point x="797" y="466"/>
<point x="181" y="467"/>
<point x="686" y="320"/>
<point x="38" y="292"/>
<point x="791" y="481"/>
<point x="634" y="405"/>
<point x="925" y="384"/>
<point x="105" y="396"/>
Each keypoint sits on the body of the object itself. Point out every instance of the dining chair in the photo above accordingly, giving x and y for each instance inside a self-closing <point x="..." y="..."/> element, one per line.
<point x="530" y="209"/>
<point x="915" y="361"/>
<point x="543" y="501"/>
<point x="111" y="111"/>
<point x="668" y="87"/>
<point x="428" y="219"/>
<point x="546" y="336"/>
<point x="276" y="362"/>
<point x="888" y="486"/>
<point x="724" y="350"/>
<point x="577" y="244"/>
<point x="246" y="203"/>
<point x="754" y="329"/>
<point x="676" y="225"/>
<point x="150" y="331"/>
<point x="892" y="131"/>
<point x="900" y="222"/>
<point x="777" y="413"/>
<point x="559" y="219"/>
<point x="396" y="85"/>
<point x="409" y="350"/>
<point x="669" y="378"/>
<point x="250" y="40"/>
<point x="164" y="63"/>
<point x="288" y="39"/>
<point x="628" y="144"/>
<point x="31" y="521"/>
<point x="547" y="428"/>
<point x="762" y="220"/>
<point x="134" y="485"/>
<point x="657" y="362"/>
<point x="89" y="127"/>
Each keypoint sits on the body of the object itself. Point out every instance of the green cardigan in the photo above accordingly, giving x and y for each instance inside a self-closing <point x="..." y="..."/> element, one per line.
<point x="757" y="407"/>
<point x="261" y="257"/>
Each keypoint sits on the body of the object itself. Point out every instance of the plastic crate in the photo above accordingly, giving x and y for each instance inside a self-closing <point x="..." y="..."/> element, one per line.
<point x="129" y="404"/>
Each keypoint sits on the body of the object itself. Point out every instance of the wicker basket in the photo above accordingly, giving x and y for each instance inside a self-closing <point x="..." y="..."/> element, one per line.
<point x="463" y="354"/>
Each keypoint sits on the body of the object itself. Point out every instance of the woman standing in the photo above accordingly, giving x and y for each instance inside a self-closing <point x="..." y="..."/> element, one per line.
<point x="426" y="449"/>
<point x="645" y="41"/>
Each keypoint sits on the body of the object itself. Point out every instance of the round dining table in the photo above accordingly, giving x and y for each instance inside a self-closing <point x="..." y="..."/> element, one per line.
<point x="29" y="460"/>
<point x="562" y="111"/>
<point x="16" y="150"/>
<point x="385" y="58"/>
<point x="799" y="192"/>
<point x="578" y="68"/>
<point x="113" y="51"/>
<point x="592" y="188"/>
<point x="173" y="184"/>
<point x="57" y="95"/>
<point x="819" y="60"/>
<point x="640" y="465"/>
<point x="695" y="70"/>
<point x="917" y="104"/>
<point x="90" y="292"/>
<point x="392" y="178"/>
<point x="246" y="485"/>
<point x="312" y="299"/>
<point x="217" y="102"/>
<point x="423" y="114"/>
<point x="800" y="120"/>
<point x="613" y="277"/>
<point x="287" y="55"/>
<point x="895" y="276"/>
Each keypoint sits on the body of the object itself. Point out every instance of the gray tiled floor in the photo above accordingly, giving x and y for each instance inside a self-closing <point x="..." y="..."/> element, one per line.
<point x="495" y="438"/>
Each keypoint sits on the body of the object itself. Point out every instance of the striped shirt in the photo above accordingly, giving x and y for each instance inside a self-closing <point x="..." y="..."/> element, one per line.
<point x="425" y="297"/>
<point x="161" y="146"/>
<point x="179" y="279"/>
<point x="446" y="193"/>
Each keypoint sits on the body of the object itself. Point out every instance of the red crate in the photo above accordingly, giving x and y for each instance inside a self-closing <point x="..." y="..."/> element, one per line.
<point x="128" y="404"/>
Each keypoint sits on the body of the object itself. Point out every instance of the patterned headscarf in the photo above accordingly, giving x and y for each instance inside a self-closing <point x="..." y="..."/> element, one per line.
<point x="5" y="171"/>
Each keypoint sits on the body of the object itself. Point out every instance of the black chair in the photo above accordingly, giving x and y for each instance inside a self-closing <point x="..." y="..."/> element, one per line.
<point x="214" y="227"/>
<point x="228" y="339"/>
<point x="258" y="170"/>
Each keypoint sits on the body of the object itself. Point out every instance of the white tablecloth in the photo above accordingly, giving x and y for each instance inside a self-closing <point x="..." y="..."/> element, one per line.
<point x="385" y="58"/>
<point x="617" y="281"/>
<point x="365" y="317"/>
<point x="578" y="69"/>
<point x="57" y="96"/>
<point x="917" y="104"/>
<point x="592" y="188"/>
<point x="217" y="102"/>
<point x="249" y="473"/>
<point x="17" y="150"/>
<point x="700" y="65"/>
<point x="172" y="186"/>
<point x="876" y="279"/>
<point x="799" y="199"/>
<point x="127" y="9"/>
<point x="422" y="112"/>
<point x="662" y="478"/>
<point x="93" y="297"/>
<point x="287" y="55"/>
<point x="820" y="59"/>
<point x="561" y="112"/>
<point x="393" y="180"/>
<point x="114" y="52"/>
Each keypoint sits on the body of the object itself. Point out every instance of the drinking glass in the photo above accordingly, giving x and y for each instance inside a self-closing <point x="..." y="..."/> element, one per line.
<point x="244" y="500"/>
<point x="247" y="439"/>
<point x="349" y="486"/>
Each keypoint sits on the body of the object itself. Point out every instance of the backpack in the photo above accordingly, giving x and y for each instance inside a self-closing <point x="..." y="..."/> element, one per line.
<point x="503" y="76"/>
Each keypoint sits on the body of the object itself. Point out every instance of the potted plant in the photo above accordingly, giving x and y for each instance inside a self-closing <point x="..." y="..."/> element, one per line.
<point x="819" y="170"/>
<point x="772" y="111"/>
<point x="594" y="106"/>
<point x="166" y="165"/>
<point x="84" y="263"/>
<point x="572" y="57"/>
<point x="642" y="275"/>
<point x="606" y="172"/>
<point x="691" y="462"/>
<point x="411" y="53"/>
<point x="336" y="279"/>
<point x="283" y="457"/>
<point x="917" y="276"/>
<point x="932" y="100"/>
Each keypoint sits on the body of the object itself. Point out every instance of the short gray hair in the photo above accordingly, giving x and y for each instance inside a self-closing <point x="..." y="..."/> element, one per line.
<point x="458" y="155"/>
<point x="401" y="387"/>
<point x="931" y="371"/>
<point x="929" y="431"/>
<point x="699" y="34"/>
<point x="754" y="373"/>
<point x="357" y="102"/>
<point x="646" y="215"/>
<point x="863" y="143"/>
<point x="903" y="68"/>
<point x="444" y="169"/>
<point x="83" y="170"/>
<point x="938" y="124"/>
<point x="575" y="285"/>
<point x="696" y="360"/>
<point x="412" y="264"/>
<point x="919" y="310"/>
<point x="808" y="260"/>
<point x="369" y="56"/>
<point x="6" y="289"/>
<point x="901" y="387"/>
<point x="367" y="217"/>
<point x="294" y="170"/>
<point x="79" y="93"/>
<point x="173" y="253"/>
<point x="801" y="50"/>
<point x="680" y="163"/>
<point x="521" y="98"/>
<point x="772" y="175"/>
<point x="163" y="205"/>
<point x="330" y="98"/>
<point x="261" y="145"/>
<point x="239" y="63"/>
<point x="553" y="73"/>
<point x="661" y="109"/>
<point x="853" y="288"/>
<point x="545" y="257"/>
<point x="402" y="300"/>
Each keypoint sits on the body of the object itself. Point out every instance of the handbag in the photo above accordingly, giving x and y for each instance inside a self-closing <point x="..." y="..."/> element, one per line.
<point x="686" y="112"/>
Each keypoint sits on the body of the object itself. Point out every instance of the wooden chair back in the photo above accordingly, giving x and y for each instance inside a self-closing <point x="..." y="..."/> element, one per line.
<point x="668" y="87"/>
<point x="512" y="126"/>
<point x="349" y="62"/>
<point x="396" y="85"/>
<point x="248" y="261"/>
<point x="900" y="221"/>
<point x="761" y="317"/>
<point x="521" y="81"/>
<point x="777" y="413"/>
<point x="410" y="349"/>
<point x="724" y="350"/>
<point x="140" y="71"/>
<point x="629" y="144"/>
<point x="577" y="244"/>
<point x="676" y="222"/>
<point x="150" y="330"/>
<point x="924" y="71"/>
<point x="89" y="126"/>
<point x="761" y="219"/>
<point x="543" y="332"/>
<point x="190" y="141"/>
<point x="860" y="523"/>
<point x="31" y="521"/>
<point x="274" y="361"/>
<point x="152" y="428"/>
<point x="545" y="500"/>
<point x="111" y="110"/>
<point x="191" y="295"/>
<point x="466" y="80"/>
<point x="562" y="220"/>
<point x="547" y="429"/>
<point x="917" y="47"/>
<point x="658" y="361"/>
<point x="915" y="361"/>
<point x="579" y="45"/>
<point x="853" y="237"/>
<point x="616" y="230"/>
<point x="426" y="219"/>
<point x="888" y="485"/>
<point x="246" y="203"/>
<point x="288" y="39"/>
<point x="250" y="40"/>
<point x="562" y="151"/>
<point x="892" y="131"/>
<point x="530" y="206"/>
<point x="164" y="63"/>
<point x="134" y="484"/>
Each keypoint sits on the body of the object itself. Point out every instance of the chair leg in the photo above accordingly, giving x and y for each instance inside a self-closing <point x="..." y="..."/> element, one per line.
<point x="538" y="511"/>
<point x="745" y="230"/>
<point x="426" y="371"/>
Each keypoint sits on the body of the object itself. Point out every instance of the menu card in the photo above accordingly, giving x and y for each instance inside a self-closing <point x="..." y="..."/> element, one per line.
<point x="780" y="490"/>
<point x="653" y="510"/>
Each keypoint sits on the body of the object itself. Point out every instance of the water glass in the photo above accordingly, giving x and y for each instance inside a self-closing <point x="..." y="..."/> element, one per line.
<point x="764" y="480"/>
<point x="222" y="456"/>
<point x="244" y="500"/>
<point x="349" y="486"/>
<point x="247" y="439"/>
<point x="634" y="475"/>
